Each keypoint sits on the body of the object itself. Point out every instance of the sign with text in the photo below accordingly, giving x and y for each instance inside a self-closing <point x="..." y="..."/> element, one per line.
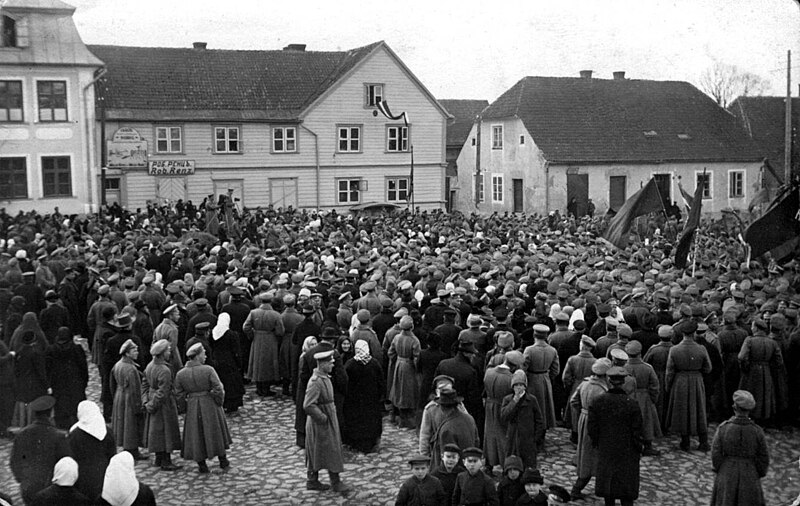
<point x="126" y="150"/>
<point x="171" y="167"/>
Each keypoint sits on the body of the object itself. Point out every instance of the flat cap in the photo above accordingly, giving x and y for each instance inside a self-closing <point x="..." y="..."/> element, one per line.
<point x="194" y="349"/>
<point x="619" y="354"/>
<point x="743" y="399"/>
<point x="128" y="344"/>
<point x="43" y="403"/>
<point x="170" y="309"/>
<point x="633" y="348"/>
<point x="323" y="356"/>
<point x="158" y="347"/>
<point x="541" y="328"/>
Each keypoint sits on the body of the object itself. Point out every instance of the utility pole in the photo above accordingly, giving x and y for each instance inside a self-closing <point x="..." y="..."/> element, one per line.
<point x="101" y="86"/>
<point x="787" y="136"/>
<point x="478" y="175"/>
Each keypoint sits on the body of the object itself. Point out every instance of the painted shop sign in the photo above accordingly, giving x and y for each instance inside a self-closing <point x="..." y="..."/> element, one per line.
<point x="171" y="167"/>
<point x="127" y="150"/>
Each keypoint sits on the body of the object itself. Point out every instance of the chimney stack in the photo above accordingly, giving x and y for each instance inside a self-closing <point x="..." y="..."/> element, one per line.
<point x="199" y="45"/>
<point x="619" y="75"/>
<point x="586" y="74"/>
<point x="295" y="47"/>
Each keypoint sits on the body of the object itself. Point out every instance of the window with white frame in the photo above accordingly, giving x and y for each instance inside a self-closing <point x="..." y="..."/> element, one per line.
<point x="373" y="94"/>
<point x="396" y="138"/>
<point x="284" y="139"/>
<point x="497" y="187"/>
<point x="497" y="136"/>
<point x="13" y="178"/>
<point x="481" y="187"/>
<point x="704" y="179"/>
<point x="349" y="139"/>
<point x="56" y="176"/>
<point x="736" y="184"/>
<point x="169" y="139"/>
<point x="227" y="139"/>
<point x="348" y="191"/>
<point x="397" y="189"/>
<point x="10" y="101"/>
<point x="52" y="97"/>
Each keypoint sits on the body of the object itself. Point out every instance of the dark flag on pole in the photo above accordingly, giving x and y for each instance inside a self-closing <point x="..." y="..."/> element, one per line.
<point x="688" y="200"/>
<point x="692" y="221"/>
<point x="778" y="229"/>
<point x="647" y="200"/>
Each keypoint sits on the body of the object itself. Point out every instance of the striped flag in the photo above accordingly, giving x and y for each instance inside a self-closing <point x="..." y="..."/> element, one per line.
<point x="383" y="106"/>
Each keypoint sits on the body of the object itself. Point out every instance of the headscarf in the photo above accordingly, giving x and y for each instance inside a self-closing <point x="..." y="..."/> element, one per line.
<point x="554" y="310"/>
<point x="30" y="323"/>
<point x="90" y="420"/>
<point x="223" y="324"/>
<point x="309" y="342"/>
<point x="362" y="355"/>
<point x="65" y="473"/>
<point x="120" y="486"/>
<point x="64" y="335"/>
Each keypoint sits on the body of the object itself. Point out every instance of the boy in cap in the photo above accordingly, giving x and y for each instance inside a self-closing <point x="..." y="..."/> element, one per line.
<point x="472" y="485"/>
<point x="448" y="469"/>
<point x="323" y="439"/>
<point x="511" y="487"/>
<point x="420" y="488"/>
<point x="520" y="410"/>
<point x="532" y="482"/>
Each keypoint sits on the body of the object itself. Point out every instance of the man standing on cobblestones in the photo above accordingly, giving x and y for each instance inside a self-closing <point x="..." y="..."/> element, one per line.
<point x="162" y="434"/>
<point x="323" y="440"/>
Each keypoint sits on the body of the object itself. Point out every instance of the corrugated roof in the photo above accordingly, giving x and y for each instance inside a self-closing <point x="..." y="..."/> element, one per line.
<point x="608" y="120"/>
<point x="195" y="83"/>
<point x="464" y="112"/>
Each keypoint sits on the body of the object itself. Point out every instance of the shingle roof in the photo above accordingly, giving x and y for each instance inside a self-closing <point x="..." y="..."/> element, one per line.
<point x="604" y="121"/>
<point x="764" y="119"/>
<point x="177" y="83"/>
<point x="464" y="112"/>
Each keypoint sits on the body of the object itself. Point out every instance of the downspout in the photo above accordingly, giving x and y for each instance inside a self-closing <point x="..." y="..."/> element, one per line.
<point x="546" y="187"/>
<point x="89" y="158"/>
<point x="316" y="157"/>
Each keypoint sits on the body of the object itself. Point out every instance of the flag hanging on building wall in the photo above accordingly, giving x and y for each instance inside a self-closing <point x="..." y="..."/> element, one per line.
<point x="647" y="200"/>
<point x="692" y="221"/>
<point x="383" y="106"/>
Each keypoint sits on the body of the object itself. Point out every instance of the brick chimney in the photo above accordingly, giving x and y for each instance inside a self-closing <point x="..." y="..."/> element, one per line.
<point x="619" y="75"/>
<point x="295" y="47"/>
<point x="200" y="45"/>
<point x="586" y="74"/>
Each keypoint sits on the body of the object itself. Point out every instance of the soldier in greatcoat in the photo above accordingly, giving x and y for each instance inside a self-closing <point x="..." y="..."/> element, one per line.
<point x="541" y="365"/>
<point x="578" y="368"/>
<point x="162" y="433"/>
<point x="265" y="327"/>
<point x="586" y="455"/>
<point x="646" y="395"/>
<point x="127" y="417"/>
<point x="404" y="354"/>
<point x="205" y="431"/>
<point x="323" y="440"/>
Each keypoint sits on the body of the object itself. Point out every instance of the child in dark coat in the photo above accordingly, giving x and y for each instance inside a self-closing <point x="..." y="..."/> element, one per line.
<point x="421" y="488"/>
<point x="510" y="487"/>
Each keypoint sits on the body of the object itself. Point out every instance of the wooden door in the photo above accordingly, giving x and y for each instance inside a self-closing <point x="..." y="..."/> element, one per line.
<point x="519" y="206"/>
<point x="578" y="188"/>
<point x="283" y="192"/>
<point x="617" y="192"/>
<point x="170" y="189"/>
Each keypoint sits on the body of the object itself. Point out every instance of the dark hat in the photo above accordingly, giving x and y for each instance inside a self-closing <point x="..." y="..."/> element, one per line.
<point x="472" y="451"/>
<point x="419" y="459"/>
<point x="122" y="320"/>
<point x="561" y="494"/>
<point x="448" y="397"/>
<point x="202" y="326"/>
<point x="308" y="309"/>
<point x="42" y="404"/>
<point x="616" y="372"/>
<point x="201" y="302"/>
<point x="513" y="462"/>
<point x="451" y="447"/>
<point x="443" y="377"/>
<point x="532" y="476"/>
<point x="51" y="295"/>
<point x="466" y="347"/>
<point x="329" y="333"/>
<point x="689" y="327"/>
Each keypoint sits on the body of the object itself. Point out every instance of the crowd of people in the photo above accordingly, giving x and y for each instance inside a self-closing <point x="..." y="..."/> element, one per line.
<point x="479" y="334"/>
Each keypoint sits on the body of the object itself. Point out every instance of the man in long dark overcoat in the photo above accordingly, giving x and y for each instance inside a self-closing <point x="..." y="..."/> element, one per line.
<point x="615" y="427"/>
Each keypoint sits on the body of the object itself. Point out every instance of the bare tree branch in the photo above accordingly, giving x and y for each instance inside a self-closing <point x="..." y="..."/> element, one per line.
<point x="724" y="83"/>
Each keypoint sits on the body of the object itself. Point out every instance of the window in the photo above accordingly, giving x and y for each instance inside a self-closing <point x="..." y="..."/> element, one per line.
<point x="481" y="188"/>
<point x="397" y="189"/>
<point x="736" y="184"/>
<point x="226" y="139"/>
<point x="473" y="141"/>
<point x="349" y="139"/>
<point x="521" y="140"/>
<point x="705" y="180"/>
<point x="9" y="35"/>
<point x="497" y="137"/>
<point x="10" y="101"/>
<point x="52" y="100"/>
<point x="397" y="138"/>
<point x="13" y="178"/>
<point x="284" y="140"/>
<point x="349" y="191"/>
<point x="497" y="188"/>
<point x="169" y="139"/>
<point x="374" y="94"/>
<point x="56" y="176"/>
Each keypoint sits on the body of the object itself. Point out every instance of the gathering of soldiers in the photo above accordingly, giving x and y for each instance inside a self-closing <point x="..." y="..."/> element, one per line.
<point x="477" y="334"/>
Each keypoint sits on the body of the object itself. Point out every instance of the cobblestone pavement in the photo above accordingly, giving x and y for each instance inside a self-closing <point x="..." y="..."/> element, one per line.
<point x="267" y="468"/>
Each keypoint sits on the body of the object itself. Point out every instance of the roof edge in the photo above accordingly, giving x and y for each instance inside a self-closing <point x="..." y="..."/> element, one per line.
<point x="200" y="115"/>
<point x="660" y="161"/>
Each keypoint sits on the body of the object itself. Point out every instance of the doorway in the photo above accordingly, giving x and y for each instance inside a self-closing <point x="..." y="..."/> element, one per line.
<point x="519" y="206"/>
<point x="221" y="187"/>
<point x="170" y="189"/>
<point x="578" y="188"/>
<point x="283" y="192"/>
<point x="617" y="192"/>
<point x="664" y="183"/>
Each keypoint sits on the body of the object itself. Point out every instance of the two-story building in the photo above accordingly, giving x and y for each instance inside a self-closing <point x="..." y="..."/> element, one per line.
<point x="549" y="140"/>
<point x="47" y="150"/>
<point x="287" y="127"/>
<point x="463" y="112"/>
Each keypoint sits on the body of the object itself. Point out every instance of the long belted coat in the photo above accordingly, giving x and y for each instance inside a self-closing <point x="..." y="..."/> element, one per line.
<point x="403" y="354"/>
<point x="541" y="365"/>
<point x="686" y="410"/>
<point x="162" y="432"/>
<point x="739" y="457"/>
<point x="586" y="393"/>
<point x="265" y="326"/>
<point x="323" y="440"/>
<point x="127" y="416"/>
<point x="496" y="385"/>
<point x="525" y="427"/>
<point x="205" y="431"/>
<point x="646" y="394"/>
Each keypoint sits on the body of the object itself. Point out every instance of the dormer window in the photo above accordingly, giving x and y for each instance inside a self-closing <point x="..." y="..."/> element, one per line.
<point x="650" y="134"/>
<point x="373" y="94"/>
<point x="9" y="33"/>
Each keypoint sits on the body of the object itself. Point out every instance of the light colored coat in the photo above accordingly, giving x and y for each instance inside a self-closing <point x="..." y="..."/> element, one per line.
<point x="403" y="355"/>
<point x="541" y="364"/>
<point x="162" y="432"/>
<point x="205" y="432"/>
<point x="496" y="385"/>
<point x="127" y="414"/>
<point x="586" y="454"/>
<point x="323" y="439"/>
<point x="265" y="327"/>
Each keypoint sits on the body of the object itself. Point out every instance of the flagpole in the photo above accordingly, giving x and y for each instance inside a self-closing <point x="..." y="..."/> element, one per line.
<point x="411" y="181"/>
<point x="694" y="253"/>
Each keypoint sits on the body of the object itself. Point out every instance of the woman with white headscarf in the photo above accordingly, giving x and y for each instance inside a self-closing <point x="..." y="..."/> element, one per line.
<point x="363" y="407"/>
<point x="62" y="491"/>
<point x="121" y="488"/>
<point x="227" y="357"/>
<point x="92" y="445"/>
